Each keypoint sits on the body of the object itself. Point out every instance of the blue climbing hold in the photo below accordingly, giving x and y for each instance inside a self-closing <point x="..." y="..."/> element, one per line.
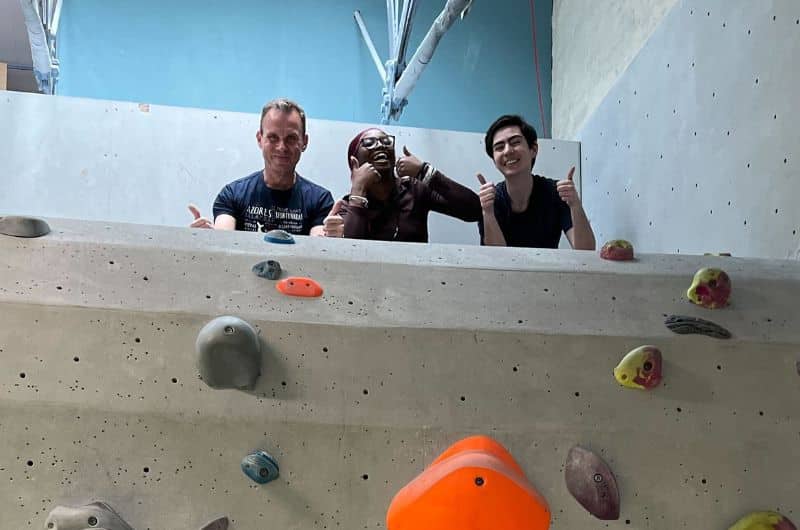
<point x="261" y="467"/>
<point x="279" y="236"/>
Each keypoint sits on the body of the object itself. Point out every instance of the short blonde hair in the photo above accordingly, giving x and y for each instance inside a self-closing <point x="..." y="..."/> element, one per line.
<point x="283" y="105"/>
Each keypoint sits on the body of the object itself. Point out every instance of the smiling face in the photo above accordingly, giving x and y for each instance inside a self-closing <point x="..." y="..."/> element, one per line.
<point x="282" y="139"/>
<point x="377" y="148"/>
<point x="511" y="153"/>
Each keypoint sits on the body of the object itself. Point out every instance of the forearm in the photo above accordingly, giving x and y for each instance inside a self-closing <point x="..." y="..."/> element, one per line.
<point x="356" y="222"/>
<point x="453" y="199"/>
<point x="582" y="235"/>
<point x="492" y="234"/>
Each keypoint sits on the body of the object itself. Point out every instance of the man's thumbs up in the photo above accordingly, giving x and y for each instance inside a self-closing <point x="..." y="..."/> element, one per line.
<point x="486" y="194"/>
<point x="199" y="221"/>
<point x="333" y="225"/>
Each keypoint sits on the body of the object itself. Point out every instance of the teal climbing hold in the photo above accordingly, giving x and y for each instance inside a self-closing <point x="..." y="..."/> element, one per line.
<point x="261" y="467"/>
<point x="279" y="236"/>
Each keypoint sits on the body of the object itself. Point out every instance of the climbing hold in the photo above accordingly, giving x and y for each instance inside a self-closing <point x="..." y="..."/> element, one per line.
<point x="19" y="226"/>
<point x="640" y="368"/>
<point x="298" y="286"/>
<point x="279" y="236"/>
<point x="617" y="250"/>
<point x="473" y="485"/>
<point x="592" y="483"/>
<point x="260" y="466"/>
<point x="270" y="270"/>
<point x="228" y="353"/>
<point x="763" y="521"/>
<point x="690" y="325"/>
<point x="94" y="516"/>
<point x="710" y="288"/>
<point x="217" y="524"/>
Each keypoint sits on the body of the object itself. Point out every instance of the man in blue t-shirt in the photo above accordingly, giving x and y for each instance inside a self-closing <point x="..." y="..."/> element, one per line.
<point x="528" y="210"/>
<point x="275" y="197"/>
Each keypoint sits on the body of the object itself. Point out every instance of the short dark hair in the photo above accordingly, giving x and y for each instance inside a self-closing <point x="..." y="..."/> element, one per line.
<point x="509" y="120"/>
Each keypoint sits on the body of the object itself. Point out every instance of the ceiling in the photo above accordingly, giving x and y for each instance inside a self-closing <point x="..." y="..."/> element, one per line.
<point x="14" y="46"/>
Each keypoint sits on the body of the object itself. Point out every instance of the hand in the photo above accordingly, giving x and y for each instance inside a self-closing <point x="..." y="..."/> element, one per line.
<point x="363" y="176"/>
<point x="199" y="221"/>
<point x="486" y="195"/>
<point x="408" y="165"/>
<point x="566" y="190"/>
<point x="333" y="225"/>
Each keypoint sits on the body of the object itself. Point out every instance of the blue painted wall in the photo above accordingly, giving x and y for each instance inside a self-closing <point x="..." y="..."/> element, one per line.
<point x="237" y="55"/>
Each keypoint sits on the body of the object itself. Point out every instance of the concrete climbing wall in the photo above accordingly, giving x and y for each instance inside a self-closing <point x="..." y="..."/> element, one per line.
<point x="410" y="348"/>
<point x="593" y="44"/>
<point x="696" y="147"/>
<point x="138" y="163"/>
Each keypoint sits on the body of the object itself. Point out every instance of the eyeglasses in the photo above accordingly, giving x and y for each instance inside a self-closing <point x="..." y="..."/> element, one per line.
<point x="371" y="142"/>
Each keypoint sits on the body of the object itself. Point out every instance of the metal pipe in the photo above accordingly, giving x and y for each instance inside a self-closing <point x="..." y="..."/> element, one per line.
<point x="56" y="17"/>
<point x="405" y="31"/>
<point x="45" y="68"/>
<point x="370" y="45"/>
<point x="390" y="24"/>
<point x="452" y="10"/>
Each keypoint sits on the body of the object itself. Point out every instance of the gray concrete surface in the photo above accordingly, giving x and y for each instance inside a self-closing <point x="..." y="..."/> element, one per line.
<point x="593" y="44"/>
<point x="410" y="348"/>
<point x="696" y="147"/>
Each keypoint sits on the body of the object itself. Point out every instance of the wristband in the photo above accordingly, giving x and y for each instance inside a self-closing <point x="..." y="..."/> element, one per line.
<point x="359" y="199"/>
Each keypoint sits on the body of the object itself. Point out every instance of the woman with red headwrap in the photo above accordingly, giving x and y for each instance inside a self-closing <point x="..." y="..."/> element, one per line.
<point x="390" y="200"/>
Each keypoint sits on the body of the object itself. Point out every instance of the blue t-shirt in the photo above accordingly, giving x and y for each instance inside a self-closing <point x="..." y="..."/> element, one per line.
<point x="539" y="226"/>
<point x="258" y="208"/>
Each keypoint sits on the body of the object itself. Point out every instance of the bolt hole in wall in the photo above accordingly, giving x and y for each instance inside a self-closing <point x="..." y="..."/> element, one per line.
<point x="745" y="121"/>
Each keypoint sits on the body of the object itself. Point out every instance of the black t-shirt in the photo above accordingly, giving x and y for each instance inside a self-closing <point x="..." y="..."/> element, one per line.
<point x="539" y="226"/>
<point x="258" y="208"/>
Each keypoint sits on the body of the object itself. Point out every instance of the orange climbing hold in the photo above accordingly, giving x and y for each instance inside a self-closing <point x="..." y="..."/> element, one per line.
<point x="299" y="286"/>
<point x="474" y="485"/>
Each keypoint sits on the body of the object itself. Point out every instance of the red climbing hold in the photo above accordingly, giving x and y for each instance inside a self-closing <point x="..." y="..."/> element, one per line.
<point x="299" y="286"/>
<point x="473" y="485"/>
<point x="617" y="250"/>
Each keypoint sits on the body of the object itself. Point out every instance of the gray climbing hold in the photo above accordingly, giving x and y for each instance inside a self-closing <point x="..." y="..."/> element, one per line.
<point x="270" y="270"/>
<point x="217" y="524"/>
<point x="279" y="236"/>
<point x="261" y="467"/>
<point x="690" y="325"/>
<point x="228" y="353"/>
<point x="19" y="226"/>
<point x="94" y="516"/>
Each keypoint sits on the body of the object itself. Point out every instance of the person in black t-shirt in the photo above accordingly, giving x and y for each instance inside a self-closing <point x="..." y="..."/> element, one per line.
<point x="275" y="197"/>
<point x="527" y="210"/>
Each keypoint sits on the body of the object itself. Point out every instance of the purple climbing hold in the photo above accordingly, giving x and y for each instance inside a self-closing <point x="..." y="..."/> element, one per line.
<point x="592" y="483"/>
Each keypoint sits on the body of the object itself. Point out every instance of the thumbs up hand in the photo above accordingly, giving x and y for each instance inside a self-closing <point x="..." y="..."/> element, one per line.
<point x="567" y="191"/>
<point x="333" y="225"/>
<point x="199" y="221"/>
<point x="409" y="165"/>
<point x="486" y="195"/>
